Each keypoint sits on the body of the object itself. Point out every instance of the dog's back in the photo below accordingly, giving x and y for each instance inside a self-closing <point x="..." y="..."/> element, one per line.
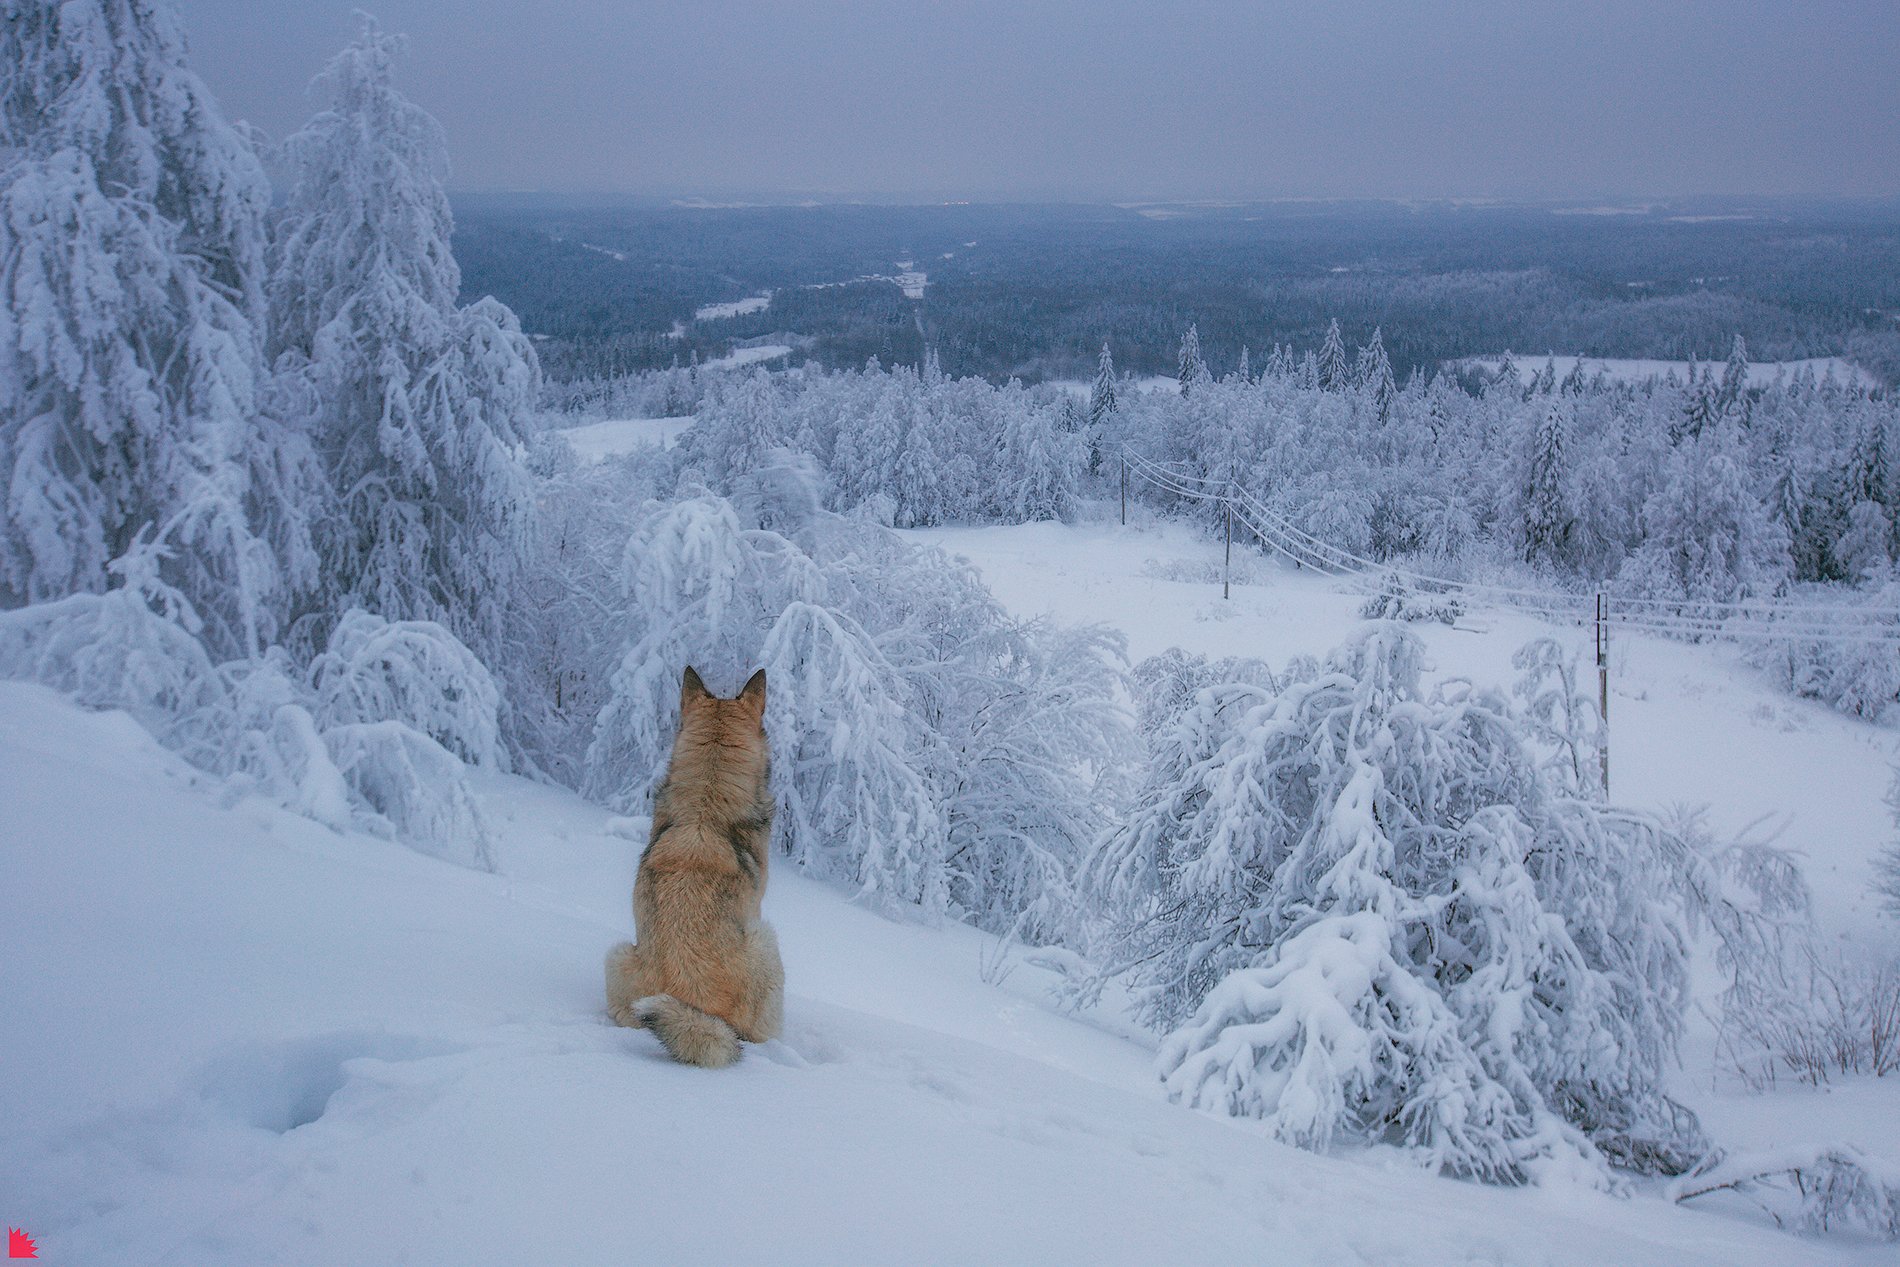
<point x="705" y="972"/>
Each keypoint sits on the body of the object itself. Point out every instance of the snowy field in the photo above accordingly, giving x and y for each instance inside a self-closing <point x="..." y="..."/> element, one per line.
<point x="237" y="1037"/>
<point x="908" y="279"/>
<point x="739" y="358"/>
<point x="1635" y="371"/>
<point x="1688" y="724"/>
<point x="736" y="308"/>
<point x="609" y="438"/>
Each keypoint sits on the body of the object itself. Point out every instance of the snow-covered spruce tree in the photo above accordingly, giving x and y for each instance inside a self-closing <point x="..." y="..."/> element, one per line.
<point x="1707" y="536"/>
<point x="415" y="404"/>
<point x="1361" y="910"/>
<point x="925" y="748"/>
<point x="1861" y="552"/>
<point x="1041" y="463"/>
<point x="131" y="255"/>
<point x="738" y="426"/>
<point x="1333" y="374"/>
<point x="1546" y="517"/>
<point x="869" y="444"/>
<point x="1191" y="370"/>
<point x="1731" y="397"/>
<point x="1374" y="374"/>
<point x="1102" y="395"/>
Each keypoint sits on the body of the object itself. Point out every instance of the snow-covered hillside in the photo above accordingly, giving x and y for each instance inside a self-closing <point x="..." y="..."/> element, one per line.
<point x="1688" y="724"/>
<point x="237" y="1037"/>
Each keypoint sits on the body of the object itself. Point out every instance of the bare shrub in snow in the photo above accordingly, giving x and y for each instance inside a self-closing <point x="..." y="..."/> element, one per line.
<point x="1560" y="718"/>
<point x="1397" y="600"/>
<point x="1362" y="910"/>
<point x="1815" y="1188"/>
<point x="1887" y="865"/>
<point x="1824" y="1014"/>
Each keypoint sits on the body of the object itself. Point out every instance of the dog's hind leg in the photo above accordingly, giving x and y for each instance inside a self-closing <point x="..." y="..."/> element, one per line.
<point x="762" y="1013"/>
<point x="626" y="984"/>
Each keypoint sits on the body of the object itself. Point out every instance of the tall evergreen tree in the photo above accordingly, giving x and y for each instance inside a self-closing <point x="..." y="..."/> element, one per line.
<point x="1699" y="409"/>
<point x="1375" y="376"/>
<point x="131" y="257"/>
<point x="1546" y="381"/>
<point x="1191" y="369"/>
<point x="1547" y="514"/>
<point x="1732" y="398"/>
<point x="1332" y="360"/>
<point x="1102" y="398"/>
<point x="416" y="404"/>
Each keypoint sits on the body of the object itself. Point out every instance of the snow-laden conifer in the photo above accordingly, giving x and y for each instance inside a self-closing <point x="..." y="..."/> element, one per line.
<point x="131" y="256"/>
<point x="1333" y="374"/>
<point x="1190" y="369"/>
<point x="1102" y="394"/>
<point x="415" y="404"/>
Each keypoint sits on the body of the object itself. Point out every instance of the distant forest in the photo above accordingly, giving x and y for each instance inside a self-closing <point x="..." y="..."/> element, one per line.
<point x="1033" y="291"/>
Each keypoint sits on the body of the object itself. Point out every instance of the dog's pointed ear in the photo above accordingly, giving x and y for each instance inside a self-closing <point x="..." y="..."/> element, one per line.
<point x="691" y="688"/>
<point x="754" y="692"/>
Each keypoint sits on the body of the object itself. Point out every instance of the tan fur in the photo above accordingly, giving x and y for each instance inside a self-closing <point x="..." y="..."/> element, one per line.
<point x="705" y="972"/>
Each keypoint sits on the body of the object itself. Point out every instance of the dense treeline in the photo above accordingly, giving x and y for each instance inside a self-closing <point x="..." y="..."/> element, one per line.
<point x="1032" y="291"/>
<point x="1683" y="491"/>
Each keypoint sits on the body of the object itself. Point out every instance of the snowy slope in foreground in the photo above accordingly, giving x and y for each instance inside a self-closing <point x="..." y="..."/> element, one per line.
<point x="234" y="1037"/>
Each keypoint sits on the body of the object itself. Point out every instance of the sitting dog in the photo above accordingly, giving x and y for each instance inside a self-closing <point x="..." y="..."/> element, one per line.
<point x="705" y="972"/>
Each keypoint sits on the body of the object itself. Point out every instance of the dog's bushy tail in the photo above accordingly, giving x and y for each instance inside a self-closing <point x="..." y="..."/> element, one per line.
<point x="689" y="1035"/>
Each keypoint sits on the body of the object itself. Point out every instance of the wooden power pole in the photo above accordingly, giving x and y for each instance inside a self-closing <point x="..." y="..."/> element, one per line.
<point x="1603" y="688"/>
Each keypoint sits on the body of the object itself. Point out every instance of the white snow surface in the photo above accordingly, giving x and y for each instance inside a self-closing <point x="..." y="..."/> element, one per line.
<point x="738" y="358"/>
<point x="236" y="1037"/>
<point x="1629" y="370"/>
<point x="613" y="436"/>
<point x="736" y="308"/>
<point x="1146" y="384"/>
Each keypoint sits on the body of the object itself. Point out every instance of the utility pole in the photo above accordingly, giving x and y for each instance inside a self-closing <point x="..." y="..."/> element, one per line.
<point x="1124" y="489"/>
<point x="1603" y="687"/>
<point x="1227" y="564"/>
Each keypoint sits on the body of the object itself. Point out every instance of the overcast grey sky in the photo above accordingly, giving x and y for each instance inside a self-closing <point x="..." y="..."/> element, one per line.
<point x="1040" y="98"/>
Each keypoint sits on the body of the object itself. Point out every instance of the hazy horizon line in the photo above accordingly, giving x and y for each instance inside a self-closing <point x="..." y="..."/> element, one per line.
<point x="1607" y="204"/>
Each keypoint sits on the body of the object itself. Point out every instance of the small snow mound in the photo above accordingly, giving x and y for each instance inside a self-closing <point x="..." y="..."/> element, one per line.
<point x="280" y="1086"/>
